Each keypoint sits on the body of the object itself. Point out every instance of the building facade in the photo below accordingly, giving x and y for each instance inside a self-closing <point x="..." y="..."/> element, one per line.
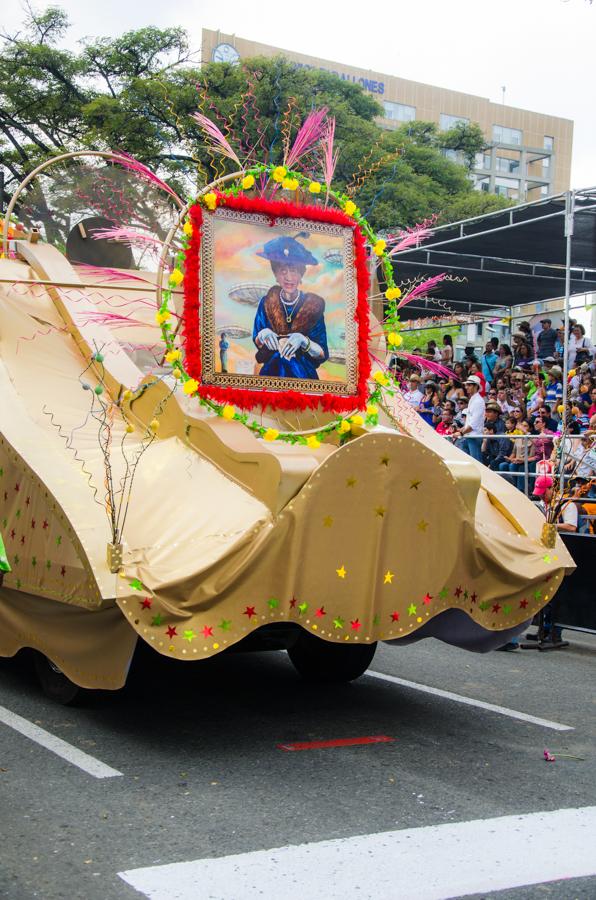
<point x="527" y="155"/>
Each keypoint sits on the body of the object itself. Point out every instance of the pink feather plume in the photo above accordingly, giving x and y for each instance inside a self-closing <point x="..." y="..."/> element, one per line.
<point x="330" y="155"/>
<point x="145" y="173"/>
<point x="216" y="138"/>
<point x="411" y="237"/>
<point x="129" y="236"/>
<point x="424" y="363"/>
<point x="308" y="134"/>
<point x="422" y="289"/>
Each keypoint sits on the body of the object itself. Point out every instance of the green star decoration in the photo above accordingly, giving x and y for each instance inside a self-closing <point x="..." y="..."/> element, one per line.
<point x="338" y="622"/>
<point x="225" y="624"/>
<point x="16" y="559"/>
<point x="273" y="603"/>
<point x="33" y="561"/>
<point x="18" y="513"/>
<point x="547" y="558"/>
<point x="302" y="607"/>
<point x="537" y="594"/>
<point x="19" y="582"/>
<point x="157" y="620"/>
<point x="376" y="620"/>
<point x="189" y="635"/>
<point x="48" y="564"/>
<point x="443" y="594"/>
<point x="412" y="609"/>
<point x="1" y="472"/>
<point x="58" y="540"/>
<point x="484" y="605"/>
<point x="136" y="585"/>
<point x="506" y="608"/>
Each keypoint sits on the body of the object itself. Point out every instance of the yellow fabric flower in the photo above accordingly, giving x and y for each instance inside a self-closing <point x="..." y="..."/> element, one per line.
<point x="127" y="395"/>
<point x="290" y="184"/>
<point x="271" y="434"/>
<point x="154" y="425"/>
<point x="571" y="374"/>
<point x="394" y="339"/>
<point x="187" y="228"/>
<point x="130" y="428"/>
<point x="372" y="410"/>
<point x="379" y="247"/>
<point x="350" y="208"/>
<point x="177" y="373"/>
<point x="357" y="420"/>
<point x="190" y="387"/>
<point x="210" y="200"/>
<point x="393" y="293"/>
<point x="162" y="315"/>
<point x="381" y="378"/>
<point x="344" y="426"/>
<point x="228" y="412"/>
<point x="314" y="187"/>
<point x="173" y="356"/>
<point x="313" y="442"/>
<point x="279" y="173"/>
<point x="176" y="277"/>
<point x="247" y="182"/>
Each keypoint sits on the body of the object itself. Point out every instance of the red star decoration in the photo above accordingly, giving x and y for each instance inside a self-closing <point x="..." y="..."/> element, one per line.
<point x="523" y="603"/>
<point x="457" y="591"/>
<point x="32" y="523"/>
<point x="474" y="598"/>
<point x="146" y="603"/>
<point x="63" y="571"/>
<point x="45" y="524"/>
<point x="395" y="617"/>
<point x="427" y="599"/>
<point x="12" y="533"/>
<point x="17" y="488"/>
<point x="321" y="612"/>
<point x="171" y="632"/>
<point x="292" y="603"/>
<point x="23" y="540"/>
<point x="207" y="631"/>
<point x="496" y="608"/>
<point x="27" y="501"/>
<point x="250" y="611"/>
<point x="5" y="495"/>
<point x="356" y="624"/>
<point x="548" y="577"/>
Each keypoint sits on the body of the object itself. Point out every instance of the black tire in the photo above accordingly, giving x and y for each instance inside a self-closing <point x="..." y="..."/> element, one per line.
<point x="318" y="660"/>
<point x="55" y="684"/>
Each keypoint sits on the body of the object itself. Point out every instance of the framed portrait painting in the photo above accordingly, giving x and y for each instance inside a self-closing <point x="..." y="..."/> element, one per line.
<point x="276" y="305"/>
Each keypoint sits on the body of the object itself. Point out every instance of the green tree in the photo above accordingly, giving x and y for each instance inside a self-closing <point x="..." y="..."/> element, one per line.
<point x="136" y="92"/>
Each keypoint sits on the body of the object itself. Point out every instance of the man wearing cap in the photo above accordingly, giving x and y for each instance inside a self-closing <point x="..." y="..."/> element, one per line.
<point x="289" y="328"/>
<point x="546" y="339"/>
<point x="473" y="430"/>
<point x="414" y="395"/>
<point x="554" y="387"/>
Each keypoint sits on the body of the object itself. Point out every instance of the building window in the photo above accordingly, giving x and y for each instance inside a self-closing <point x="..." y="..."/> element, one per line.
<point x="504" y="135"/>
<point x="482" y="161"/>
<point x="399" y="112"/>
<point x="503" y="164"/>
<point x="507" y="187"/>
<point x="481" y="183"/>
<point x="549" y="142"/>
<point x="447" y="122"/>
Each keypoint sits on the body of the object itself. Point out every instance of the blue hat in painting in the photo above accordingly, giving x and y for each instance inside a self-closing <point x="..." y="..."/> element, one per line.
<point x="288" y="250"/>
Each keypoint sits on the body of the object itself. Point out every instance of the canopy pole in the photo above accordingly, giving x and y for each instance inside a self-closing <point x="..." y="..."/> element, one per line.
<point x="569" y="215"/>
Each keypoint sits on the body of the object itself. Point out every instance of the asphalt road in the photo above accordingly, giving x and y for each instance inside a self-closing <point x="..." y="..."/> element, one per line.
<point x="203" y="776"/>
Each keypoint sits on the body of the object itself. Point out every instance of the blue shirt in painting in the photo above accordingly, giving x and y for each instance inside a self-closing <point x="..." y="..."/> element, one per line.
<point x="307" y="318"/>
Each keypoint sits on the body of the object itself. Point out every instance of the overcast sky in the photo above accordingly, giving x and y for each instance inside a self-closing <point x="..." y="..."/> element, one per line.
<point x="541" y="50"/>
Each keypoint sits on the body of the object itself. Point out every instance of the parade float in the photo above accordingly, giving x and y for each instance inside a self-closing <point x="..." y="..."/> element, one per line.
<point x="202" y="444"/>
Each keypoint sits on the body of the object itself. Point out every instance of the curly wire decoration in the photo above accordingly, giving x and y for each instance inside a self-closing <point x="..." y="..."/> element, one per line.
<point x="75" y="452"/>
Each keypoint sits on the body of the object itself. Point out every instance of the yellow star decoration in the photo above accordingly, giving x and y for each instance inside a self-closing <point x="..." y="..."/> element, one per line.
<point x="328" y="521"/>
<point x="341" y="572"/>
<point x="422" y="525"/>
<point x="384" y="460"/>
<point x="414" y="484"/>
<point x="350" y="482"/>
<point x="389" y="576"/>
<point x="380" y="511"/>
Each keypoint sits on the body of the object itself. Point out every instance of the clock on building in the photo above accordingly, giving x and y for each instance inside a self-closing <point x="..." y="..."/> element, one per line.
<point x="225" y="53"/>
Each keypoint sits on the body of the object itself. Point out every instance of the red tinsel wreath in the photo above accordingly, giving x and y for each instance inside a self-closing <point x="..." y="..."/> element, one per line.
<point x="290" y="399"/>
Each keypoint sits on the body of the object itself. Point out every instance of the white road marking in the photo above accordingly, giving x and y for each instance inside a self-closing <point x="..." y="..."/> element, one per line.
<point x="56" y="745"/>
<point x="437" y="862"/>
<point x="470" y="701"/>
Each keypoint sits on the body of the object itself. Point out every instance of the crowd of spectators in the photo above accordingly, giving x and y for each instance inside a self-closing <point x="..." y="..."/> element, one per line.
<point x="489" y="400"/>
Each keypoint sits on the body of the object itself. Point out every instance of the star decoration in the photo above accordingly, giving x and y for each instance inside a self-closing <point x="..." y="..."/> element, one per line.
<point x="302" y="608"/>
<point x="171" y="632"/>
<point x="18" y="513"/>
<point x="389" y="576"/>
<point x="33" y="561"/>
<point x="48" y="564"/>
<point x="136" y="585"/>
<point x="58" y="540"/>
<point x="341" y="572"/>
<point x="17" y="488"/>
<point x="523" y="603"/>
<point x="474" y="598"/>
<point x="443" y="593"/>
<point x="320" y="612"/>
<point x="45" y="524"/>
<point x="412" y="609"/>
<point x="395" y="617"/>
<point x="356" y="624"/>
<point x="537" y="594"/>
<point x="249" y="612"/>
<point x="338" y="622"/>
<point x="63" y="571"/>
<point x="23" y="540"/>
<point x="466" y="595"/>
<point x="422" y="525"/>
<point x="506" y="608"/>
<point x="157" y="620"/>
<point x="189" y="635"/>
<point x="32" y="523"/>
<point x="293" y="602"/>
<point x="225" y="624"/>
<point x="350" y="482"/>
<point x="547" y="558"/>
<point x="496" y="607"/>
<point x="17" y="558"/>
<point x="27" y="501"/>
<point x="12" y="533"/>
<point x="207" y="631"/>
<point x="484" y="605"/>
<point x="427" y="599"/>
<point x="457" y="592"/>
<point x="384" y="460"/>
<point x="327" y="521"/>
<point x="146" y="603"/>
<point x="376" y="620"/>
<point x="273" y="603"/>
<point x="380" y="511"/>
<point x="414" y="485"/>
